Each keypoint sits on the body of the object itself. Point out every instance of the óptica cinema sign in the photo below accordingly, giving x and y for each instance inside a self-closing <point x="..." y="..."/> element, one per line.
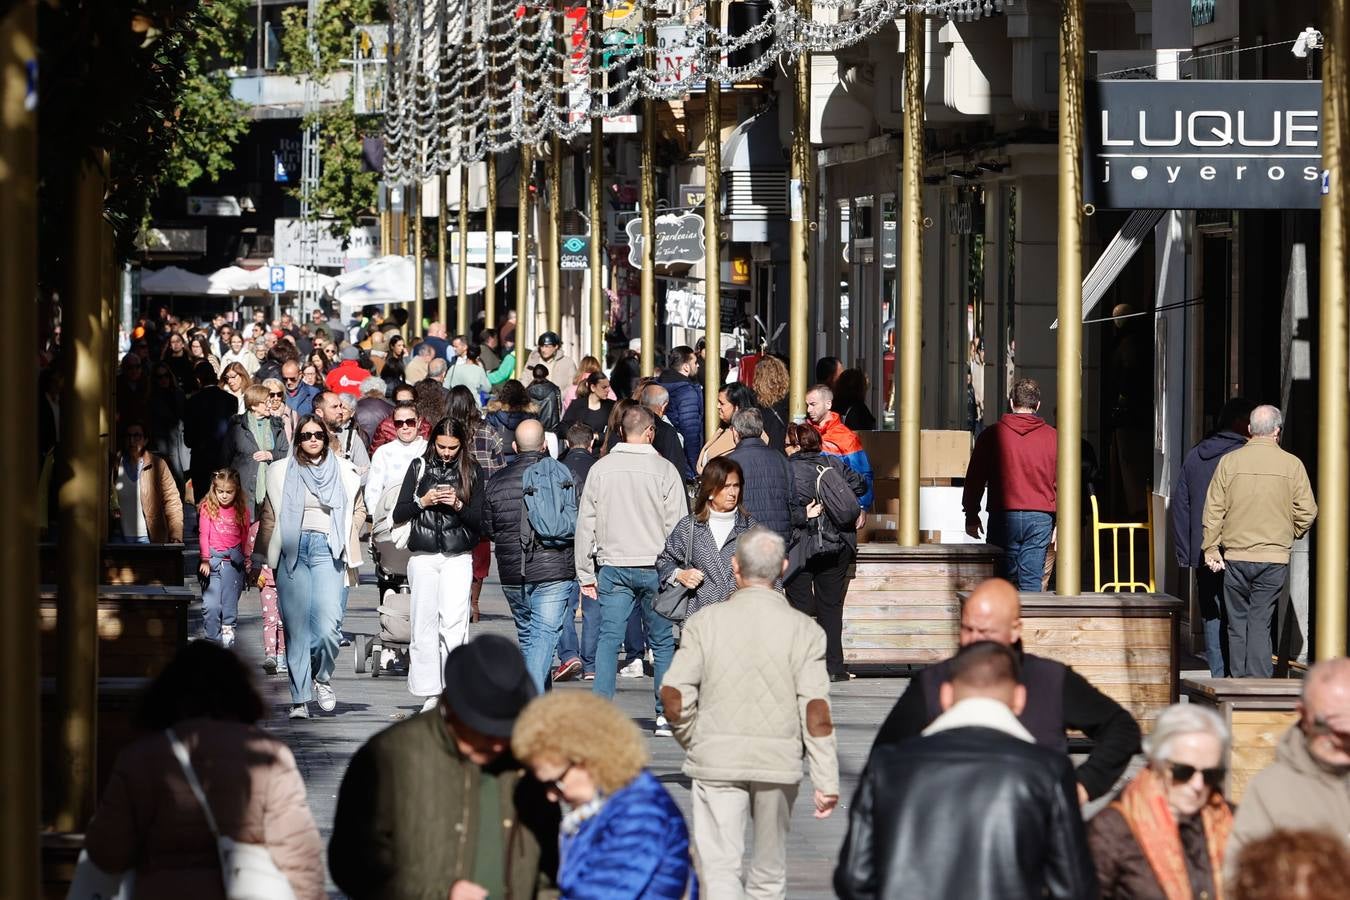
<point x="1203" y="145"/>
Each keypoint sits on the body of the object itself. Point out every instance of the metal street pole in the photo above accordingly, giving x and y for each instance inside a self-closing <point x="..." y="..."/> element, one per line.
<point x="597" y="174"/>
<point x="419" y="278"/>
<point x="909" y="402"/>
<point x="523" y="255"/>
<point x="81" y="500"/>
<point x="490" y="261"/>
<point x="19" y="717"/>
<point x="555" y="274"/>
<point x="799" y="247"/>
<point x="442" y="238"/>
<point x="647" y="273"/>
<point x="712" y="236"/>
<point x="462" y="312"/>
<point x="1333" y="390"/>
<point x="1069" y="411"/>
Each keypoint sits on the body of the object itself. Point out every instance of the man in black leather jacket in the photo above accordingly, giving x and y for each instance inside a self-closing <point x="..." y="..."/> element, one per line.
<point x="537" y="580"/>
<point x="1058" y="698"/>
<point x="974" y="809"/>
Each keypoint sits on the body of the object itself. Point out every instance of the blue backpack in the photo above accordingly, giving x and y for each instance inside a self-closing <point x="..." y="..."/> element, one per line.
<point x="550" y="494"/>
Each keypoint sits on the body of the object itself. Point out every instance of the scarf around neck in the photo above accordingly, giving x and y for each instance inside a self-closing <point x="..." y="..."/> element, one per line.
<point x="324" y="481"/>
<point x="1143" y="804"/>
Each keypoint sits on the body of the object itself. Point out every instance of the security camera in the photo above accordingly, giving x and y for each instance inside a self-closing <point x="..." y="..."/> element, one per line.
<point x="1309" y="39"/>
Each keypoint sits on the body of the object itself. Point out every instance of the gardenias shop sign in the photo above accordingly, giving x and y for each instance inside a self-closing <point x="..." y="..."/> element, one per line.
<point x="1203" y="145"/>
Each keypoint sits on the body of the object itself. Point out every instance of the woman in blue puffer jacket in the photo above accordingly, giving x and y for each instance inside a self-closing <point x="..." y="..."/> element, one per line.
<point x="622" y="837"/>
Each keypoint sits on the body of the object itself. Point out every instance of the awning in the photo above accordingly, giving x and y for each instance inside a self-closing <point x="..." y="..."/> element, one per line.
<point x="391" y="279"/>
<point x="1137" y="229"/>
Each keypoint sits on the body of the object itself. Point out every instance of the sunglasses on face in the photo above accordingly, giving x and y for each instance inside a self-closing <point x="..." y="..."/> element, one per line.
<point x="1182" y="773"/>
<point x="312" y="436"/>
<point x="557" y="783"/>
<point x="405" y="423"/>
<point x="275" y="395"/>
<point x="290" y="380"/>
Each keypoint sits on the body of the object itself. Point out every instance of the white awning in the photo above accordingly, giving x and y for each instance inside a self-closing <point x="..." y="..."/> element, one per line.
<point x="1137" y="229"/>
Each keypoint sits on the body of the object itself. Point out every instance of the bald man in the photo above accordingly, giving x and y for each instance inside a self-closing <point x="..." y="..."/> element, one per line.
<point x="1058" y="698"/>
<point x="536" y="578"/>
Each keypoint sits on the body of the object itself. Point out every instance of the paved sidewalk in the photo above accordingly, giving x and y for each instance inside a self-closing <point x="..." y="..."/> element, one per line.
<point x="324" y="744"/>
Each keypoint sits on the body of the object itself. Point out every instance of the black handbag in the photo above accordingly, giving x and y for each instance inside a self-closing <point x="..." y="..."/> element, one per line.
<point x="672" y="601"/>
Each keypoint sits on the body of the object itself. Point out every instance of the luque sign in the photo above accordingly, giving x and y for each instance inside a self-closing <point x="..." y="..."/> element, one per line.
<point x="679" y="239"/>
<point x="1203" y="145"/>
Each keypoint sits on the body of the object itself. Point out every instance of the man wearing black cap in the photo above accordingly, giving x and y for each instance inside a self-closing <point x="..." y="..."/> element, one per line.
<point x="436" y="806"/>
<point x="562" y="371"/>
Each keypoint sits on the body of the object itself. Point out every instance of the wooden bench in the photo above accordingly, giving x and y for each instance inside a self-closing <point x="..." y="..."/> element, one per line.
<point x="118" y="699"/>
<point x="1258" y="712"/>
<point x="903" y="605"/>
<point x="122" y="563"/>
<point x="1125" y="645"/>
<point x="140" y="628"/>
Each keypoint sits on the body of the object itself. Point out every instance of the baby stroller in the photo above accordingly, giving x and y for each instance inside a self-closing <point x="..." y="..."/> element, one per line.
<point x="386" y="653"/>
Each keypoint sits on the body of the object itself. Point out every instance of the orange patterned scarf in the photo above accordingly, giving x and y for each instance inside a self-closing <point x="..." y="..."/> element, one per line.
<point x="1143" y="803"/>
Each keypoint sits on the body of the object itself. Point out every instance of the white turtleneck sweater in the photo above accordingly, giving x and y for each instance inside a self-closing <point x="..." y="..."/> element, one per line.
<point x="721" y="524"/>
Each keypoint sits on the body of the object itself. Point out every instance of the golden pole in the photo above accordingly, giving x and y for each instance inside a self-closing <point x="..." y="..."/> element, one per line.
<point x="419" y="277"/>
<point x="555" y="274"/>
<point x="81" y="499"/>
<point x="107" y="419"/>
<point x="19" y="717"/>
<point x="462" y="313"/>
<point x="799" y="248"/>
<point x="1069" y="413"/>
<point x="712" y="236"/>
<point x="442" y="231"/>
<point x="523" y="255"/>
<point x="647" y="265"/>
<point x="910" y="400"/>
<point x="597" y="174"/>
<point x="1333" y="399"/>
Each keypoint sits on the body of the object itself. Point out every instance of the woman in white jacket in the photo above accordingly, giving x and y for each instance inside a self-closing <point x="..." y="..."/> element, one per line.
<point x="309" y="536"/>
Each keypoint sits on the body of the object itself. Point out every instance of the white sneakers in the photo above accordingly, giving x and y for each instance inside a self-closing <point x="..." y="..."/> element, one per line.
<point x="632" y="670"/>
<point x="227" y="636"/>
<point x="300" y="711"/>
<point x="662" y="728"/>
<point x="430" y="703"/>
<point x="325" y="695"/>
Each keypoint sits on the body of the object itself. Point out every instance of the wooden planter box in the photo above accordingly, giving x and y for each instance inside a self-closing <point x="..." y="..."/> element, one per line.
<point x="903" y="605"/>
<point x="118" y="700"/>
<point x="140" y="628"/>
<point x="1124" y="644"/>
<point x="122" y="564"/>
<point x="1258" y="711"/>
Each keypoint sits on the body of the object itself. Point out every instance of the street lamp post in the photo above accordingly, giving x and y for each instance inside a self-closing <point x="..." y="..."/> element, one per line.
<point x="799" y="248"/>
<point x="712" y="237"/>
<point x="910" y="357"/>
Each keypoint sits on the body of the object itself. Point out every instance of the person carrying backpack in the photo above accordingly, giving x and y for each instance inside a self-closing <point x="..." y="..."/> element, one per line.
<point x="825" y="517"/>
<point x="530" y="513"/>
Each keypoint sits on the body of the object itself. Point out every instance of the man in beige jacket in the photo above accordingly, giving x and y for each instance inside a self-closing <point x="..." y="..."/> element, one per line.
<point x="1259" y="502"/>
<point x="748" y="697"/>
<point x="1308" y="784"/>
<point x="632" y="500"/>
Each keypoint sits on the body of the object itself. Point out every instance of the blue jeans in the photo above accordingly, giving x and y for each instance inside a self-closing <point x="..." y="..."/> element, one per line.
<point x="621" y="590"/>
<point x="568" y="648"/>
<point x="538" y="608"/>
<point x="310" y="597"/>
<point x="1024" y="537"/>
<point x="220" y="598"/>
<point x="1209" y="587"/>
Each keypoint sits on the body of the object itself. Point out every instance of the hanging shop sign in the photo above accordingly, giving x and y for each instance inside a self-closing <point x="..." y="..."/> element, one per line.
<point x="679" y="239"/>
<point x="1203" y="145"/>
<point x="575" y="252"/>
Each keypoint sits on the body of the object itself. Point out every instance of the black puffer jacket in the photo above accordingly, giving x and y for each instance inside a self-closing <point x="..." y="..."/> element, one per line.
<point x="503" y="507"/>
<point x="805" y="469"/>
<point x="439" y="528"/>
<point x="546" y="396"/>
<point x="767" y="494"/>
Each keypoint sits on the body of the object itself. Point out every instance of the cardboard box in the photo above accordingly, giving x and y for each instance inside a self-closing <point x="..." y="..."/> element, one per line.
<point x="942" y="454"/>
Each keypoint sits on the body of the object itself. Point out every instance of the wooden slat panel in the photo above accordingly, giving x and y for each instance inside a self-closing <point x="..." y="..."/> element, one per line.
<point x="980" y="571"/>
<point x="889" y="656"/>
<point x="870" y="580"/>
<point x="905" y="642"/>
<point x="918" y="611"/>
<point x="864" y="627"/>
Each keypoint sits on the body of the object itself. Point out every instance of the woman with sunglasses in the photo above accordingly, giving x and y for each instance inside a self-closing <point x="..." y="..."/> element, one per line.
<point x="276" y="406"/>
<point x="256" y="439"/>
<point x="443" y="499"/>
<point x="309" y="536"/>
<point x="1164" y="837"/>
<point x="622" y="836"/>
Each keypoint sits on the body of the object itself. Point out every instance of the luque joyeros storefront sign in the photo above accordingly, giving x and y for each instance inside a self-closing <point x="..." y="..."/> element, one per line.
<point x="1203" y="145"/>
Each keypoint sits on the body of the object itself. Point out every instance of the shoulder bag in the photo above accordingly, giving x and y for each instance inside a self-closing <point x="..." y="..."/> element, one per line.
<point x="672" y="601"/>
<point x="248" y="870"/>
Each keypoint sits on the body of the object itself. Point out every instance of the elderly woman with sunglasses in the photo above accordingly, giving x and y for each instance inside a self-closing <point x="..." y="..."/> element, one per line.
<point x="1164" y="837"/>
<point x="309" y="536"/>
<point x="256" y="439"/>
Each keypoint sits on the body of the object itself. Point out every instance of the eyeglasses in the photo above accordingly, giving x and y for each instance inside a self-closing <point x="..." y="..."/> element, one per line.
<point x="275" y="395"/>
<point x="1183" y="773"/>
<point x="404" y="423"/>
<point x="313" y="436"/>
<point x="289" y="380"/>
<point x="557" y="783"/>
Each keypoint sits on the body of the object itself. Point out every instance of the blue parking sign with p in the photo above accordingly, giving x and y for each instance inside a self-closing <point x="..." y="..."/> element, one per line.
<point x="276" y="276"/>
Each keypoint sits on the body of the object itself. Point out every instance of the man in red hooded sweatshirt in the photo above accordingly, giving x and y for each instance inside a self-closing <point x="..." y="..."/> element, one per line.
<point x="1016" y="460"/>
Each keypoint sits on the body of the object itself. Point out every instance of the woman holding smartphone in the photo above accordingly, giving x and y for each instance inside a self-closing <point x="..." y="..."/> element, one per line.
<point x="442" y="497"/>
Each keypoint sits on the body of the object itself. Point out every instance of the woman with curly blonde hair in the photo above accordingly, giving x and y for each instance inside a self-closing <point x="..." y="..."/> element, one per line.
<point x="771" y="389"/>
<point x="622" y="835"/>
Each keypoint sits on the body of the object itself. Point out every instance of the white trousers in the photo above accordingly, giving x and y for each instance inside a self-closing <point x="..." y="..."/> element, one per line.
<point x="721" y="809"/>
<point x="440" y="616"/>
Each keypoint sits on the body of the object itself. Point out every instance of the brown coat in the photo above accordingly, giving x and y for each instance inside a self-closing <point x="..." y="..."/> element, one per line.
<point x="149" y="820"/>
<point x="160" y="499"/>
<point x="1123" y="872"/>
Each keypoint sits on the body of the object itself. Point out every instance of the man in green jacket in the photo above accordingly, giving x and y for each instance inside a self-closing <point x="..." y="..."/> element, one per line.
<point x="436" y="807"/>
